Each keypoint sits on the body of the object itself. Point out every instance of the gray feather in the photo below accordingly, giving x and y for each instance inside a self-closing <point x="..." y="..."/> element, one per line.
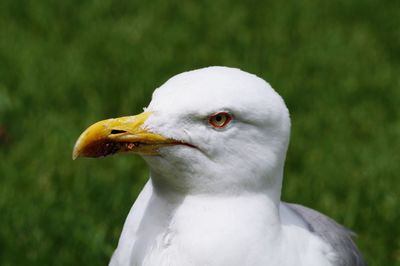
<point x="339" y="237"/>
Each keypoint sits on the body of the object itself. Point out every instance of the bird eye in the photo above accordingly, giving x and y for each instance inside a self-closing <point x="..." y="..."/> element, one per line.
<point x="219" y="120"/>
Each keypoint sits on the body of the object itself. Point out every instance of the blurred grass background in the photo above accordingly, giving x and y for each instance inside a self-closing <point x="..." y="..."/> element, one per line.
<point x="67" y="64"/>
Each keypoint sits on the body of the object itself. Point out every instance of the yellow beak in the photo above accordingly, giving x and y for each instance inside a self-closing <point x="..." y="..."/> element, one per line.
<point x="122" y="134"/>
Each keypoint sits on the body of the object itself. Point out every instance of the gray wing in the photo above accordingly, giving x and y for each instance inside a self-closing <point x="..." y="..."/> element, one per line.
<point x="339" y="237"/>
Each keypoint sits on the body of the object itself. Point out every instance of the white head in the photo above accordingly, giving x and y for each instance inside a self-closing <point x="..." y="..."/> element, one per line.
<point x="245" y="155"/>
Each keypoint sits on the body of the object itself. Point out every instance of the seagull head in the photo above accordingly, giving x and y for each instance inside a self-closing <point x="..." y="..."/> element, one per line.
<point x="212" y="130"/>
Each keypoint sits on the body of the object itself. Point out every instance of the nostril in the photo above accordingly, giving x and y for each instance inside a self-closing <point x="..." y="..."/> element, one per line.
<point x="116" y="131"/>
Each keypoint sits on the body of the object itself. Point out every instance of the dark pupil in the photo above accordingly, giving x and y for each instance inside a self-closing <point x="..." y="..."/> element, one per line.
<point x="218" y="118"/>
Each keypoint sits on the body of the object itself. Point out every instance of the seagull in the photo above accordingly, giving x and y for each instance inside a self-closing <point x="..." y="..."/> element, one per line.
<point x="215" y="141"/>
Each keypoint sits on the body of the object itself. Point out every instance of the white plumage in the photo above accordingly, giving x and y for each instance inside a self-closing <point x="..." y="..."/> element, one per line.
<point x="217" y="201"/>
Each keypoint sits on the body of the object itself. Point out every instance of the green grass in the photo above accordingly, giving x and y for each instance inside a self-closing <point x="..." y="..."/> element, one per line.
<point x="67" y="64"/>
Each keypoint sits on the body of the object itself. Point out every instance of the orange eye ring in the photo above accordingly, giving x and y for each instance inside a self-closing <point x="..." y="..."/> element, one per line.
<point x="220" y="120"/>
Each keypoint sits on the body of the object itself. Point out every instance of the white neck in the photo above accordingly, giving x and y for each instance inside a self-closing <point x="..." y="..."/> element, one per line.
<point x="168" y="228"/>
<point x="198" y="226"/>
